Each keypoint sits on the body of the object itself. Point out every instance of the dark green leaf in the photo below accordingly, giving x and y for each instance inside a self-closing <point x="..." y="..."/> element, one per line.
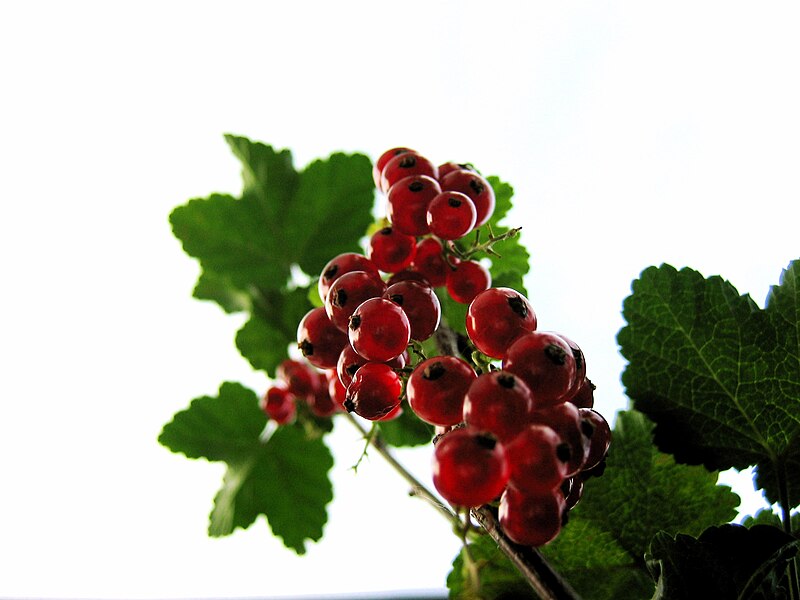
<point x="500" y="580"/>
<point x="211" y="286"/>
<point x="641" y="492"/>
<point x="718" y="375"/>
<point x="406" y="430"/>
<point x="510" y="269"/>
<point x="286" y="480"/>
<point x="765" y="516"/>
<point x="726" y="562"/>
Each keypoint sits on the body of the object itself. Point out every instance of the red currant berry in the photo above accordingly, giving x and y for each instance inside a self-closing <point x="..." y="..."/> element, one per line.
<point x="451" y="215"/>
<point x="374" y="392"/>
<point x="436" y="389"/>
<point x="474" y="186"/>
<point x="351" y="361"/>
<point x="299" y="377"/>
<point x="531" y="520"/>
<point x="565" y="420"/>
<point x="321" y="403"/>
<point x="498" y="402"/>
<point x="580" y="365"/>
<point x="545" y="362"/>
<point x="448" y="167"/>
<point x="279" y="405"/>
<point x="538" y="459"/>
<point x="382" y="160"/>
<point x="348" y="292"/>
<point x="379" y="330"/>
<point x="406" y="165"/>
<point x="408" y="275"/>
<point x="597" y="430"/>
<point x="584" y="395"/>
<point x="420" y="304"/>
<point x="430" y="262"/>
<point x="319" y="339"/>
<point x="391" y="250"/>
<point x="337" y="391"/>
<point x="341" y="264"/>
<point x="407" y="204"/>
<point x="469" y="468"/>
<point x="496" y="318"/>
<point x="468" y="279"/>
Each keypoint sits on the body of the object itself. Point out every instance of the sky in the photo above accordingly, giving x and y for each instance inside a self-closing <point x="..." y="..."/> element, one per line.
<point x="633" y="133"/>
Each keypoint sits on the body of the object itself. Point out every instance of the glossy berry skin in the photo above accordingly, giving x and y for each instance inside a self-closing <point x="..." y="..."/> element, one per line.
<point x="420" y="304"/>
<point x="545" y="362"/>
<point x="279" y="405"/>
<point x="583" y="397"/>
<point x="383" y="159"/>
<point x="498" y="402"/>
<point x="390" y="250"/>
<point x="407" y="204"/>
<point x="341" y="264"/>
<point x="468" y="279"/>
<point x="565" y="419"/>
<point x="451" y="215"/>
<point x="429" y="261"/>
<point x="351" y="361"/>
<point x="348" y="292"/>
<point x="436" y="389"/>
<point x="374" y="392"/>
<point x="336" y="390"/>
<point x="379" y="330"/>
<point x="321" y="403"/>
<point x="598" y="434"/>
<point x="538" y="460"/>
<point x="496" y="317"/>
<point x="469" y="468"/>
<point x="448" y="167"/>
<point x="476" y="187"/>
<point x="531" y="520"/>
<point x="580" y="365"/>
<point x="300" y="379"/>
<point x="406" y="165"/>
<point x="319" y="339"/>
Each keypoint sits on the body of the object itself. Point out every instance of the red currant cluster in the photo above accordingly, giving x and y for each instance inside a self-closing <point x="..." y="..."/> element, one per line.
<point x="525" y="432"/>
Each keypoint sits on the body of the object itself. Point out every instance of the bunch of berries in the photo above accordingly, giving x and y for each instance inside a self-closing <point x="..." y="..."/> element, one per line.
<point x="516" y="423"/>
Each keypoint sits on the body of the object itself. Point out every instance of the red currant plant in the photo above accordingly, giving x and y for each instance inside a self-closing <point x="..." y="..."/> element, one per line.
<point x="714" y="381"/>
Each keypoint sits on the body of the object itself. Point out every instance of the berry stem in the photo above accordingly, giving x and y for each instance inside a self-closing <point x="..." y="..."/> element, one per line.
<point x="486" y="247"/>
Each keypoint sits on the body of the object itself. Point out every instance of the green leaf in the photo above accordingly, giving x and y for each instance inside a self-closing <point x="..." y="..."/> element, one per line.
<point x="219" y="289"/>
<point x="514" y="264"/>
<point x="499" y="578"/>
<point x="284" y="478"/>
<point x="718" y="375"/>
<point x="641" y="492"/>
<point x="765" y="516"/>
<point x="729" y="561"/>
<point x="406" y="430"/>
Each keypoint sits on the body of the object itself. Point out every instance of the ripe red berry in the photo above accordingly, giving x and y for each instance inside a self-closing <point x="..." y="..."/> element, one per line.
<point x="337" y="391"/>
<point x="341" y="264"/>
<point x="451" y="215"/>
<point x="279" y="405"/>
<point x="448" y="167"/>
<point x="407" y="204"/>
<point x="379" y="330"/>
<point x="404" y="165"/>
<point x="321" y="403"/>
<point x="468" y="279"/>
<point x="496" y="317"/>
<point x="430" y="262"/>
<point x="474" y="186"/>
<point x="351" y="361"/>
<point x="531" y="520"/>
<point x="545" y="362"/>
<point x="538" y="459"/>
<point x="565" y="419"/>
<point x="420" y="304"/>
<point x="436" y="389"/>
<point x="383" y="159"/>
<point x="390" y="250"/>
<point x="469" y="468"/>
<point x="374" y="392"/>
<point x="498" y="402"/>
<point x="299" y="378"/>
<point x="583" y="397"/>
<point x="348" y="292"/>
<point x="580" y="365"/>
<point x="319" y="339"/>
<point x="597" y="430"/>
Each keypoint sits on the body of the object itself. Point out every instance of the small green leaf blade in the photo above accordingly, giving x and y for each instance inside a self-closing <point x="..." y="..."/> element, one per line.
<point x="287" y="481"/>
<point x="219" y="289"/>
<point x="641" y="492"/>
<point x="514" y="264"/>
<point x="223" y="427"/>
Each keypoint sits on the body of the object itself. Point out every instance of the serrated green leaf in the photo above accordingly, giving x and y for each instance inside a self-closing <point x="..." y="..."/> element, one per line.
<point x="226" y="427"/>
<point x="287" y="481"/>
<point x="330" y="211"/>
<point x="765" y="516"/>
<point x="216" y="288"/>
<point x="728" y="561"/>
<point x="499" y="578"/>
<point x="718" y="375"/>
<point x="641" y="492"/>
<point x="284" y="478"/>
<point x="406" y="430"/>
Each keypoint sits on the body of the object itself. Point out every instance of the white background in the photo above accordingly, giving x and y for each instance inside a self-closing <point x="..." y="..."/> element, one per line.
<point x="633" y="135"/>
